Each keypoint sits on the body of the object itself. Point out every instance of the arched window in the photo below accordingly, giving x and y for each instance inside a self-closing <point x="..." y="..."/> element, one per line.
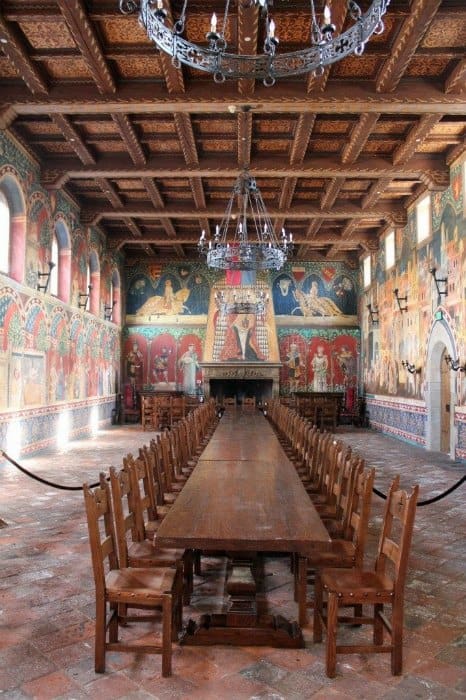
<point x="4" y="234"/>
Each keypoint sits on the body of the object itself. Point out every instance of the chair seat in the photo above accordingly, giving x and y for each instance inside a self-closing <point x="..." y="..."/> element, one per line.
<point x="145" y="554"/>
<point x="127" y="585"/>
<point x="356" y="585"/>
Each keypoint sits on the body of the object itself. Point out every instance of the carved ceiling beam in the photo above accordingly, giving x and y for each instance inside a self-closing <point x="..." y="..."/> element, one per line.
<point x="7" y="116"/>
<point x="287" y="192"/>
<point x="456" y="81"/>
<point x="86" y="39"/>
<point x="153" y="192"/>
<point x="374" y="192"/>
<point x="173" y="76"/>
<point x="413" y="29"/>
<point x="359" y="137"/>
<point x="15" y="51"/>
<point x="409" y="98"/>
<point x="331" y="192"/>
<point x="185" y="133"/>
<point x="456" y="152"/>
<point x="419" y="191"/>
<point x="389" y="212"/>
<point x="73" y="137"/>
<point x="244" y="138"/>
<point x="248" y="32"/>
<point x="133" y="227"/>
<point x="346" y="233"/>
<point x="302" y="135"/>
<point x="116" y="166"/>
<point x="339" y="12"/>
<point x="130" y="139"/>
<point x="111" y="192"/>
<point x="416" y="137"/>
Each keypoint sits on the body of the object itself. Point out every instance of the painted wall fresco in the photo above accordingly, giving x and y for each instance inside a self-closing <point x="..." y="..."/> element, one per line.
<point x="318" y="359"/>
<point x="316" y="292"/>
<point x="403" y="336"/>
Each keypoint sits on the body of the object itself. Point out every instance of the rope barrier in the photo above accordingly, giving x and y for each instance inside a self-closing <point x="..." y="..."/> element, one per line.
<point x="428" y="501"/>
<point x="378" y="493"/>
<point x="44" y="481"/>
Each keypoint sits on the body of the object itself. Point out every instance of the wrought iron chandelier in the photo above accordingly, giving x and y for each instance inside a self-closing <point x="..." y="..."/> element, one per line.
<point x="325" y="45"/>
<point x="245" y="239"/>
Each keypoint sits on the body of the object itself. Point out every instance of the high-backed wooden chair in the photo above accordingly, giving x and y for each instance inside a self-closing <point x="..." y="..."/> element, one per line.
<point x="178" y="408"/>
<point x="118" y="589"/>
<point x="134" y="551"/>
<point x="229" y="403"/>
<point x="148" y="413"/>
<point x="343" y="552"/>
<point x="249" y="403"/>
<point x="377" y="588"/>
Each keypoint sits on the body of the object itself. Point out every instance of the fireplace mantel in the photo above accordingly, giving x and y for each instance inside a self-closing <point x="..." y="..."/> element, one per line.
<point x="243" y="371"/>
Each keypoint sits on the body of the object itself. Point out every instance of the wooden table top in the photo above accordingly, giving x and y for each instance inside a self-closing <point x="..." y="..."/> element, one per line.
<point x="243" y="495"/>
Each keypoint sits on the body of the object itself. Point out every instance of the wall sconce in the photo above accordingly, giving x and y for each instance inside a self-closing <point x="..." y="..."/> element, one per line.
<point x="83" y="298"/>
<point x="373" y="313"/>
<point x="438" y="281"/>
<point x="412" y="369"/>
<point x="400" y="299"/>
<point x="455" y="365"/>
<point x="108" y="311"/>
<point x="46" y="275"/>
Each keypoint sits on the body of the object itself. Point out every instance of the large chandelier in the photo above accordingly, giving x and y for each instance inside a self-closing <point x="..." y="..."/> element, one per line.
<point x="325" y="45"/>
<point x="245" y="239"/>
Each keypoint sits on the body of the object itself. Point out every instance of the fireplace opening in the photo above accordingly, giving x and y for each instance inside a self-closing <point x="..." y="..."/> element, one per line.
<point x="260" y="389"/>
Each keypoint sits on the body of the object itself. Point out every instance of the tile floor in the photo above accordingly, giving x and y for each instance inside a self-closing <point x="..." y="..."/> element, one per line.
<point x="47" y="595"/>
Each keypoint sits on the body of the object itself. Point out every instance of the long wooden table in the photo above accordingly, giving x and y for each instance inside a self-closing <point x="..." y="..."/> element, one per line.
<point x="243" y="496"/>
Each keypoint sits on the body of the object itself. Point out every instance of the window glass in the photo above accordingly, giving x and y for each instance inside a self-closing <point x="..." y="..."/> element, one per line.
<point x="366" y="271"/>
<point x="53" y="285"/>
<point x="4" y="234"/>
<point x="390" y="250"/>
<point x="423" y="219"/>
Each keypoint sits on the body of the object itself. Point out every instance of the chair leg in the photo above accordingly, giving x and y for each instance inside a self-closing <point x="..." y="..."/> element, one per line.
<point x="167" y="635"/>
<point x="378" y="624"/>
<point x="100" y="636"/>
<point x="397" y="643"/>
<point x="197" y="562"/>
<point x="332" y="622"/>
<point x="318" y="610"/>
<point x="301" y="590"/>
<point x="188" y="576"/>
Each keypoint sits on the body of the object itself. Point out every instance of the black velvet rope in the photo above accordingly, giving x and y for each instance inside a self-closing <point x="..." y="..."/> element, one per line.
<point x="428" y="501"/>
<point x="44" y="481"/>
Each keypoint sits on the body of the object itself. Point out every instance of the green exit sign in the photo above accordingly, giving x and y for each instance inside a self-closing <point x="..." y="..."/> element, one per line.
<point x="438" y="315"/>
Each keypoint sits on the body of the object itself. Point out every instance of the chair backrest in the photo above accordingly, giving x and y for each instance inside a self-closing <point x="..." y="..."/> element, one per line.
<point x="396" y="534"/>
<point x="141" y="499"/>
<point x="123" y="510"/>
<point x="249" y="402"/>
<point x="102" y="540"/>
<point x="178" y="408"/>
<point x="360" y="512"/>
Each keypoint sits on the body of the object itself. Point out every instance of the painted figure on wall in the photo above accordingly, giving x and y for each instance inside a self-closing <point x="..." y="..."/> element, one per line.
<point x="160" y="371"/>
<point x="312" y="304"/>
<point x="241" y="341"/>
<point x="284" y="299"/>
<point x="294" y="366"/>
<point x="189" y="364"/>
<point x="198" y="299"/>
<point x="134" y="361"/>
<point x="319" y="364"/>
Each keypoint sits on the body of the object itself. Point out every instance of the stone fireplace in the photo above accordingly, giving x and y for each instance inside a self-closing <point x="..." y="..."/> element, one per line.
<point x="241" y="379"/>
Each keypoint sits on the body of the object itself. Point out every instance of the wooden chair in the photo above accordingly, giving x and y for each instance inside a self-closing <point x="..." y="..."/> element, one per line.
<point x="134" y="551"/>
<point x="249" y="403"/>
<point x="163" y="406"/>
<point x="327" y="415"/>
<point x="375" y="588"/>
<point x="178" y="408"/>
<point x="229" y="403"/>
<point x="343" y="552"/>
<point x="118" y="589"/>
<point x="148" y="413"/>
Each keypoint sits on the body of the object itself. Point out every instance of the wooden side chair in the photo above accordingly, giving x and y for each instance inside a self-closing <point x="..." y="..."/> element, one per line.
<point x="379" y="587"/>
<point x="134" y="551"/>
<point x="249" y="403"/>
<point x="118" y="589"/>
<point x="346" y="553"/>
<point x="148" y="413"/>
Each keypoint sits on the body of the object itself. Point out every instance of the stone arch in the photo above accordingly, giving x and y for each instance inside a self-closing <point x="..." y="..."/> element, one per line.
<point x="63" y="237"/>
<point x="11" y="189"/>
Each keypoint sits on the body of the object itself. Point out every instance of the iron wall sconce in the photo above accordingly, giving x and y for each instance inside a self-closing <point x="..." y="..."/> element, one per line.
<point x="455" y="365"/>
<point x="373" y="313"/>
<point x="83" y="298"/>
<point x="400" y="300"/>
<point x="410" y="367"/>
<point x="46" y="275"/>
<point x="108" y="311"/>
<point x="438" y="281"/>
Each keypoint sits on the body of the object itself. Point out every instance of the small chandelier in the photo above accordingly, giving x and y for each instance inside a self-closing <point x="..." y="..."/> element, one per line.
<point x="242" y="301"/>
<point x="325" y="46"/>
<point x="246" y="240"/>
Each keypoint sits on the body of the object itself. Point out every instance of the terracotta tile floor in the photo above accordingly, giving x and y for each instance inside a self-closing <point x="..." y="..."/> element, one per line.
<point x="47" y="595"/>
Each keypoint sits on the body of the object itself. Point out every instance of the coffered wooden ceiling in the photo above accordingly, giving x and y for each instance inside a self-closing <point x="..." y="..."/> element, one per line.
<point x="151" y="152"/>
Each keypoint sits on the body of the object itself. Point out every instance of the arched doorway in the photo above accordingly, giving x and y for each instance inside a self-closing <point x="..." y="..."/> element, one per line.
<point x="440" y="390"/>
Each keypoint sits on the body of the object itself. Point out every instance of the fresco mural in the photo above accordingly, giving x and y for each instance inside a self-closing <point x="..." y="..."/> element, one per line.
<point x="315" y="292"/>
<point x="318" y="359"/>
<point x="402" y="337"/>
<point x="159" y="359"/>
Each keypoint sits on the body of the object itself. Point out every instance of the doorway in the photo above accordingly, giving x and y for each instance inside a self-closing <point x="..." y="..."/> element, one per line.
<point x="445" y="404"/>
